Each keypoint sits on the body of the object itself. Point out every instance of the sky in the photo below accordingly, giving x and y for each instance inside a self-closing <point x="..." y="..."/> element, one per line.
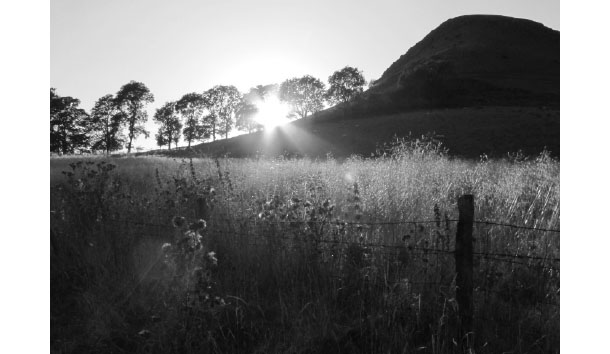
<point x="183" y="46"/>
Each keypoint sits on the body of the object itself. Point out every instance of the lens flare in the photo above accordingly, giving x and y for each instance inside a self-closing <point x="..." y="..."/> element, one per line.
<point x="272" y="112"/>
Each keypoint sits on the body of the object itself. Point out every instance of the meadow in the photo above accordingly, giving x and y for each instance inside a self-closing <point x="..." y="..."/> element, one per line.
<point x="279" y="255"/>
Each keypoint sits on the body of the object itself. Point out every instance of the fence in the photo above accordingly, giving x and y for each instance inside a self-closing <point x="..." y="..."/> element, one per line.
<point x="429" y="242"/>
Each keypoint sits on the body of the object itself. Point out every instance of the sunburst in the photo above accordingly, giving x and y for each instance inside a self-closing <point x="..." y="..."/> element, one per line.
<point x="272" y="112"/>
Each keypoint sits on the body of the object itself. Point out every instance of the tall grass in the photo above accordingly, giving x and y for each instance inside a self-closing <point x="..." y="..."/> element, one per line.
<point x="298" y="266"/>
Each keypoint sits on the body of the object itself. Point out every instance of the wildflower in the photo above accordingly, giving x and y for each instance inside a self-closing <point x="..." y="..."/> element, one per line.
<point x="193" y="239"/>
<point x="166" y="247"/>
<point x="178" y="221"/>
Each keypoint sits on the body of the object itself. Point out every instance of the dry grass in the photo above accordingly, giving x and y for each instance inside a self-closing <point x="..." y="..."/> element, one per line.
<point x="299" y="287"/>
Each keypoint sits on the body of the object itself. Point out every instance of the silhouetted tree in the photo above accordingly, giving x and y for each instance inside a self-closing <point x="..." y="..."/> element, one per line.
<point x="176" y="139"/>
<point x="244" y="116"/>
<point x="191" y="107"/>
<point x="261" y="92"/>
<point x="131" y="100"/>
<point x="106" y="120"/>
<point x="305" y="95"/>
<point x="69" y="124"/>
<point x="345" y="84"/>
<point x="222" y="102"/>
<point x="169" y="131"/>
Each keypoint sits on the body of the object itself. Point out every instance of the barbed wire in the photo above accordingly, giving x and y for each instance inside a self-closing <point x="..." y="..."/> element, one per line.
<point x="512" y="261"/>
<point x="489" y="255"/>
<point x="340" y="222"/>
<point x="360" y="223"/>
<point x="515" y="226"/>
<point x="414" y="222"/>
<point x="520" y="256"/>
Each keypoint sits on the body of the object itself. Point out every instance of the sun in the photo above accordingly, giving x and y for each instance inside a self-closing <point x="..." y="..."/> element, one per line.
<point x="271" y="112"/>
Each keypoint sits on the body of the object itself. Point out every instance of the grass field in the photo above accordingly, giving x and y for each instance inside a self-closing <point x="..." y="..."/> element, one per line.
<point x="299" y="255"/>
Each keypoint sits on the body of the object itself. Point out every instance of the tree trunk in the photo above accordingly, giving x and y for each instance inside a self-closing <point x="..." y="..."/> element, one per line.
<point x="132" y="124"/>
<point x="107" y="131"/>
<point x="64" y="142"/>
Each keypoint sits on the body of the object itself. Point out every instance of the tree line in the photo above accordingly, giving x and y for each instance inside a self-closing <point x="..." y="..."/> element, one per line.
<point x="116" y="120"/>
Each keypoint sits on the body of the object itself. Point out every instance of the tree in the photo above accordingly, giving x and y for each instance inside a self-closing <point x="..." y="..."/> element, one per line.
<point x="131" y="100"/>
<point x="262" y="92"/>
<point x="244" y="116"/>
<point x="345" y="84"/>
<point x="248" y="107"/>
<point x="222" y="102"/>
<point x="191" y="107"/>
<point x="305" y="95"/>
<point x="69" y="124"/>
<point x="176" y="139"/>
<point x="106" y="120"/>
<point x="169" y="131"/>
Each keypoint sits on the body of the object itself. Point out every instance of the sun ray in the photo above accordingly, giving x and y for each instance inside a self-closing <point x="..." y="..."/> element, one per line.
<point x="272" y="112"/>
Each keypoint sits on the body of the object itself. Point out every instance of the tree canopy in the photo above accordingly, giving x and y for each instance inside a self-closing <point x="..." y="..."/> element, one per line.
<point x="106" y="122"/>
<point x="261" y="92"/>
<point x="305" y="95"/>
<point x="191" y="107"/>
<point x="222" y="102"/>
<point x="131" y="100"/>
<point x="69" y="124"/>
<point x="244" y="116"/>
<point x="345" y="84"/>
<point x="116" y="121"/>
<point x="169" y="131"/>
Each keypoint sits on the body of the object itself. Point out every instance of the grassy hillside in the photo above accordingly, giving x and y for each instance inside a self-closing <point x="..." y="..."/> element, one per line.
<point x="467" y="132"/>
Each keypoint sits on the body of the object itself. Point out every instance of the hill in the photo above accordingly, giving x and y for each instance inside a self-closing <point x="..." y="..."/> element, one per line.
<point x="466" y="132"/>
<point x="471" y="54"/>
<point x="488" y="84"/>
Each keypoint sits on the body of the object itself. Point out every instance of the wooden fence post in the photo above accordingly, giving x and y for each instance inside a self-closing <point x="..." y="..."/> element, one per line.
<point x="464" y="266"/>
